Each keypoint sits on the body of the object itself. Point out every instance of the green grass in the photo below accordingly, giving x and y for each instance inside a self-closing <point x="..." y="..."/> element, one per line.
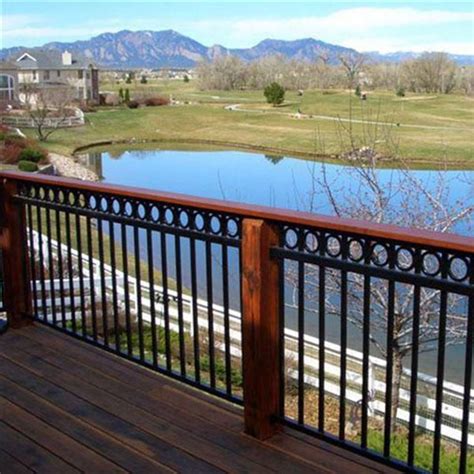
<point x="203" y="117"/>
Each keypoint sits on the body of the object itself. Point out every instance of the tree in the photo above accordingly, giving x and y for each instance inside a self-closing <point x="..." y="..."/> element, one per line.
<point x="186" y="78"/>
<point x="352" y="64"/>
<point x="143" y="80"/>
<point x="431" y="73"/>
<point x="48" y="108"/>
<point x="126" y="97"/>
<point x="121" y="95"/>
<point x="358" y="91"/>
<point x="405" y="201"/>
<point x="274" y="93"/>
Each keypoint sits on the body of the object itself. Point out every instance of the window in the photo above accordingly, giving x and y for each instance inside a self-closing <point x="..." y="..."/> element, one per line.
<point x="58" y="73"/>
<point x="34" y="75"/>
<point x="80" y="74"/>
<point x="7" y="87"/>
<point x="46" y="75"/>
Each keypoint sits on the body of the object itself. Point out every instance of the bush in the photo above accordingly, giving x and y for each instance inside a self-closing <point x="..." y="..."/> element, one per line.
<point x="126" y="96"/>
<point x="133" y="104"/>
<point x="400" y="92"/>
<point x="128" y="80"/>
<point x="274" y="93"/>
<point x="186" y="78"/>
<point x="28" y="166"/>
<point x="10" y="154"/>
<point x="143" y="80"/>
<point x="358" y="91"/>
<point x="32" y="154"/>
<point x="156" y="101"/>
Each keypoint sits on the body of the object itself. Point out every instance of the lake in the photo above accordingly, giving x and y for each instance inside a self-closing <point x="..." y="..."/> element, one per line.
<point x="255" y="178"/>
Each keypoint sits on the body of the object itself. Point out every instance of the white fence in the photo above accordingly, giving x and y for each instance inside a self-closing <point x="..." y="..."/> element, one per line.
<point x="425" y="404"/>
<point x="51" y="122"/>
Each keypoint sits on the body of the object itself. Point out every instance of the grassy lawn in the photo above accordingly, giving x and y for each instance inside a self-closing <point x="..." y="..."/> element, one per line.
<point x="430" y="128"/>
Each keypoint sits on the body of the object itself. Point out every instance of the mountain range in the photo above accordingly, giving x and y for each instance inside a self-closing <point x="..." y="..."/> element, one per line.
<point x="168" y="48"/>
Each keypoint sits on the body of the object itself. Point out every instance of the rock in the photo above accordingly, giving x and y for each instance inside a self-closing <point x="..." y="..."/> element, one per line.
<point x="67" y="167"/>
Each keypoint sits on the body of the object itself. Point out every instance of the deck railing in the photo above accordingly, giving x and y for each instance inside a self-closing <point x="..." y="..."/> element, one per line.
<point x="341" y="329"/>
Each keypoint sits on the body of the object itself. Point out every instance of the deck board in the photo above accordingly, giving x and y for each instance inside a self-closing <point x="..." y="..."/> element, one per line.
<point x="73" y="407"/>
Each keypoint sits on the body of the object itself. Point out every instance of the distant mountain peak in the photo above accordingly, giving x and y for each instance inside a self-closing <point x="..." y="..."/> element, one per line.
<point x="169" y="48"/>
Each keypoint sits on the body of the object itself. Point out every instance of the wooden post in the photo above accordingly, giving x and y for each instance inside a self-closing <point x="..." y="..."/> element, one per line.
<point x="16" y="283"/>
<point x="260" y="329"/>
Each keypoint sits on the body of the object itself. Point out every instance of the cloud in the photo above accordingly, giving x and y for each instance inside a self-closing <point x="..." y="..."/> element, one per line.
<point x="363" y="28"/>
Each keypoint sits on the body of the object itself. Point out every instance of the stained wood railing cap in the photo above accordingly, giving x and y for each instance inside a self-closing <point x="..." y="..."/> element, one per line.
<point x="447" y="241"/>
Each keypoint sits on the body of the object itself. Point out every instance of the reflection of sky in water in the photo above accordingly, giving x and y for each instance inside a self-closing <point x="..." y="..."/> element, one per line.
<point x="275" y="181"/>
<point x="256" y="179"/>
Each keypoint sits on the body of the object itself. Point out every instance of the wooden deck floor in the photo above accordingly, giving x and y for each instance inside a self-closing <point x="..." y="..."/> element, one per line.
<point x="66" y="407"/>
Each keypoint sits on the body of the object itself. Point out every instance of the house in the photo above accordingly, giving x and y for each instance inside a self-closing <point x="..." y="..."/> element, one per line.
<point x="8" y="82"/>
<point x="49" y="69"/>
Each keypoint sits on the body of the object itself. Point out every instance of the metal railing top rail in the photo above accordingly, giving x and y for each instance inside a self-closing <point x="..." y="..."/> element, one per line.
<point x="425" y="238"/>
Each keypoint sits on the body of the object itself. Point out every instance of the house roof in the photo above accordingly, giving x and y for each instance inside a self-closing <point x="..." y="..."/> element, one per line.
<point x="8" y="66"/>
<point x="48" y="59"/>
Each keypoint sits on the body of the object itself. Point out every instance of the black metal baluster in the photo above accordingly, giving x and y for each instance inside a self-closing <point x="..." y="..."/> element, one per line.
<point x="41" y="263"/>
<point x="52" y="291"/>
<point x="105" y="323"/>
<point x="282" y="329"/>
<point x="126" y="289"/>
<point x="194" y="290"/>
<point x="166" y="313"/>
<point x="389" y="370"/>
<point x="225" y="291"/>
<point x="467" y="381"/>
<point x="210" y="311"/>
<point x="113" y="266"/>
<point x="322" y="338"/>
<point x="71" y="272"/>
<point x="138" y="289"/>
<point x="301" y="351"/>
<point x="443" y="312"/>
<point x="32" y="259"/>
<point x="60" y="269"/>
<point x="91" y="278"/>
<point x="81" y="275"/>
<point x="151" y="280"/>
<point x="414" y="376"/>
<point x="179" y="289"/>
<point x="365" y="361"/>
<point x="343" y="360"/>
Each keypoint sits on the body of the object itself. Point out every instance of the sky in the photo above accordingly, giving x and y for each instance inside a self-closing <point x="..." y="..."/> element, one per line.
<point x="366" y="26"/>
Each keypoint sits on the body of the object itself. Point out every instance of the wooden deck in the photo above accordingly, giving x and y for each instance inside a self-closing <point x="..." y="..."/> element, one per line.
<point x="67" y="407"/>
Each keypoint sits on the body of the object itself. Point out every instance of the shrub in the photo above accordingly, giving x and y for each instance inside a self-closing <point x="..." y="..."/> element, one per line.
<point x="143" y="80"/>
<point x="126" y="95"/>
<point x="28" y="166"/>
<point x="358" y="91"/>
<point x="186" y="78"/>
<point x="10" y="154"/>
<point x="133" y="104"/>
<point x="32" y="154"/>
<point x="156" y="101"/>
<point x="400" y="92"/>
<point x="128" y="80"/>
<point x="274" y="93"/>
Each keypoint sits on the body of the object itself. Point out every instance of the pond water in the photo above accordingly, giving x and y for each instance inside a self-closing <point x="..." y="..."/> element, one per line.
<point x="274" y="181"/>
<point x="255" y="178"/>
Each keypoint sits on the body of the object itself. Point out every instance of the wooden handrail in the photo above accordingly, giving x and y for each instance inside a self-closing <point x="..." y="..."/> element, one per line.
<point x="446" y="241"/>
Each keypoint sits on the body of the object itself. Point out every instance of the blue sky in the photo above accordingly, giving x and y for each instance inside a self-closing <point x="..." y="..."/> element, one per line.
<point x="366" y="26"/>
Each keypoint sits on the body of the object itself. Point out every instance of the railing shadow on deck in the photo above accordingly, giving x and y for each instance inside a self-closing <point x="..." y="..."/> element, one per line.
<point x="279" y="311"/>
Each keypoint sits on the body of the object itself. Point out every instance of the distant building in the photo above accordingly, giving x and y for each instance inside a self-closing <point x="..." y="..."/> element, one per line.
<point x="8" y="82"/>
<point x="51" y="69"/>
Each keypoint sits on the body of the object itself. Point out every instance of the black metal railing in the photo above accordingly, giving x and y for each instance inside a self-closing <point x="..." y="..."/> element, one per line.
<point x="401" y="306"/>
<point x="375" y="323"/>
<point x="149" y="281"/>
